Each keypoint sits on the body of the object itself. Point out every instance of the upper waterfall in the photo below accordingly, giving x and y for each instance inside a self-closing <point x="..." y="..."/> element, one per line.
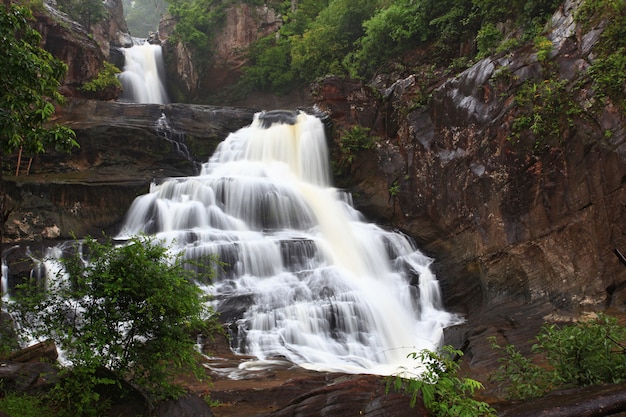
<point x="305" y="277"/>
<point x="143" y="78"/>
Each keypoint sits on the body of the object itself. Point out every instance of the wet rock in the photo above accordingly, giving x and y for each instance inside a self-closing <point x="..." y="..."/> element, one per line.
<point x="597" y="401"/>
<point x="123" y="148"/>
<point x="350" y="396"/>
<point x="31" y="376"/>
<point x="187" y="406"/>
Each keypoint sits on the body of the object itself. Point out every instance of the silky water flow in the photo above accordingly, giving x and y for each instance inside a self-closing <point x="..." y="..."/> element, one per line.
<point x="305" y="278"/>
<point x="144" y="72"/>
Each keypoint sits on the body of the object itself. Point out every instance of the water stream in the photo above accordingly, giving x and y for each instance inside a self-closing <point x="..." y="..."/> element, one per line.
<point x="144" y="73"/>
<point x="305" y="278"/>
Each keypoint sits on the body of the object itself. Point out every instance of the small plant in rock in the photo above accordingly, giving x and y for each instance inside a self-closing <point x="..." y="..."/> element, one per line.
<point x="126" y="314"/>
<point x="437" y="382"/>
<point x="546" y="111"/>
<point x="585" y="353"/>
<point x="107" y="78"/>
<point x="353" y="140"/>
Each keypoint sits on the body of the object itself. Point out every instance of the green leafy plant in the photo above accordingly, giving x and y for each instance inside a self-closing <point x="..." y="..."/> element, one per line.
<point x="198" y="23"/>
<point x="522" y="378"/>
<point x="132" y="310"/>
<point x="19" y="405"/>
<point x="546" y="110"/>
<point x="394" y="189"/>
<point x="107" y="78"/>
<point x="544" y="48"/>
<point x="608" y="68"/>
<point x="585" y="353"/>
<point x="352" y="141"/>
<point x="487" y="39"/>
<point x="444" y="393"/>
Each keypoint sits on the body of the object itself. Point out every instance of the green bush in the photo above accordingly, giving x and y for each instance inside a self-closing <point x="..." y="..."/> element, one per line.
<point x="132" y="310"/>
<point x="107" y="78"/>
<point x="585" y="353"/>
<point x="487" y="39"/>
<point x="545" y="111"/>
<point x="19" y="405"/>
<point x="444" y="393"/>
<point x="608" y="69"/>
<point x="353" y="140"/>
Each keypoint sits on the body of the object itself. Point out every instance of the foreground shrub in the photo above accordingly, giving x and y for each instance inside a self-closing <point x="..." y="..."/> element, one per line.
<point x="444" y="393"/>
<point x="585" y="353"/>
<point x="130" y="310"/>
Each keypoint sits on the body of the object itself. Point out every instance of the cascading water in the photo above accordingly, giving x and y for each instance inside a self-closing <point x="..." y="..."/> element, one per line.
<point x="305" y="278"/>
<point x="143" y="75"/>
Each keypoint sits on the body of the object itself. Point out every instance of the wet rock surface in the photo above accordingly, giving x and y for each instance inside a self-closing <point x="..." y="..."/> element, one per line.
<point x="123" y="148"/>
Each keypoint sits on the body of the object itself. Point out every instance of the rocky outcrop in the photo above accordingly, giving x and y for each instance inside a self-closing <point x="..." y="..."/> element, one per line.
<point x="70" y="42"/>
<point x="84" y="53"/>
<point x="112" y="31"/>
<point x="196" y="77"/>
<point x="521" y="233"/>
<point x="123" y="148"/>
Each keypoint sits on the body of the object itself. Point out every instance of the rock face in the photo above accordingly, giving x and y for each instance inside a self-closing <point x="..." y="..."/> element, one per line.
<point x="84" y="53"/>
<point x="520" y="234"/>
<point x="123" y="148"/>
<point x="70" y="42"/>
<point x="242" y="25"/>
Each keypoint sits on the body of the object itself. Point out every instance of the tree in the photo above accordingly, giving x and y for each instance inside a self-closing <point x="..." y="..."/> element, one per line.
<point x="443" y="391"/>
<point x="132" y="310"/>
<point x="29" y="82"/>
<point x="85" y="12"/>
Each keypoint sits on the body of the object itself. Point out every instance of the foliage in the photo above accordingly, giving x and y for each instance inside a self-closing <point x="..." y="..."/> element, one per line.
<point x="270" y="66"/>
<point x="444" y="393"/>
<point x="130" y="309"/>
<point x="609" y="75"/>
<point x="198" y="23"/>
<point x="30" y="78"/>
<point x="85" y="12"/>
<point x="341" y="37"/>
<point x="355" y="139"/>
<point x="8" y="338"/>
<point x="392" y="29"/>
<point x="585" y="353"/>
<point x="546" y="111"/>
<point x="609" y="68"/>
<point x="19" y="405"/>
<point x="143" y="16"/>
<point x="487" y="39"/>
<point x="544" y="47"/>
<point x="107" y="78"/>
<point x="522" y="378"/>
<point x="320" y="49"/>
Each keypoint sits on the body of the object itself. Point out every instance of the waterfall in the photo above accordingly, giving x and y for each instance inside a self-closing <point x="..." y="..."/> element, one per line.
<point x="144" y="73"/>
<point x="305" y="277"/>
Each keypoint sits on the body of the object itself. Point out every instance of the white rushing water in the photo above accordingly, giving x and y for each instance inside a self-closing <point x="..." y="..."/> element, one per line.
<point x="143" y="76"/>
<point x="306" y="278"/>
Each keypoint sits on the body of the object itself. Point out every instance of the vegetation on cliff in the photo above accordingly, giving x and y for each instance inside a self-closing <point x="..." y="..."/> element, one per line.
<point x="360" y="40"/>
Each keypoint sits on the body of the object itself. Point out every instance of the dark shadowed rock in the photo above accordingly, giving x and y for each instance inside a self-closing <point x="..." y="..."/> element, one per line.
<point x="187" y="406"/>
<point x="597" y="401"/>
